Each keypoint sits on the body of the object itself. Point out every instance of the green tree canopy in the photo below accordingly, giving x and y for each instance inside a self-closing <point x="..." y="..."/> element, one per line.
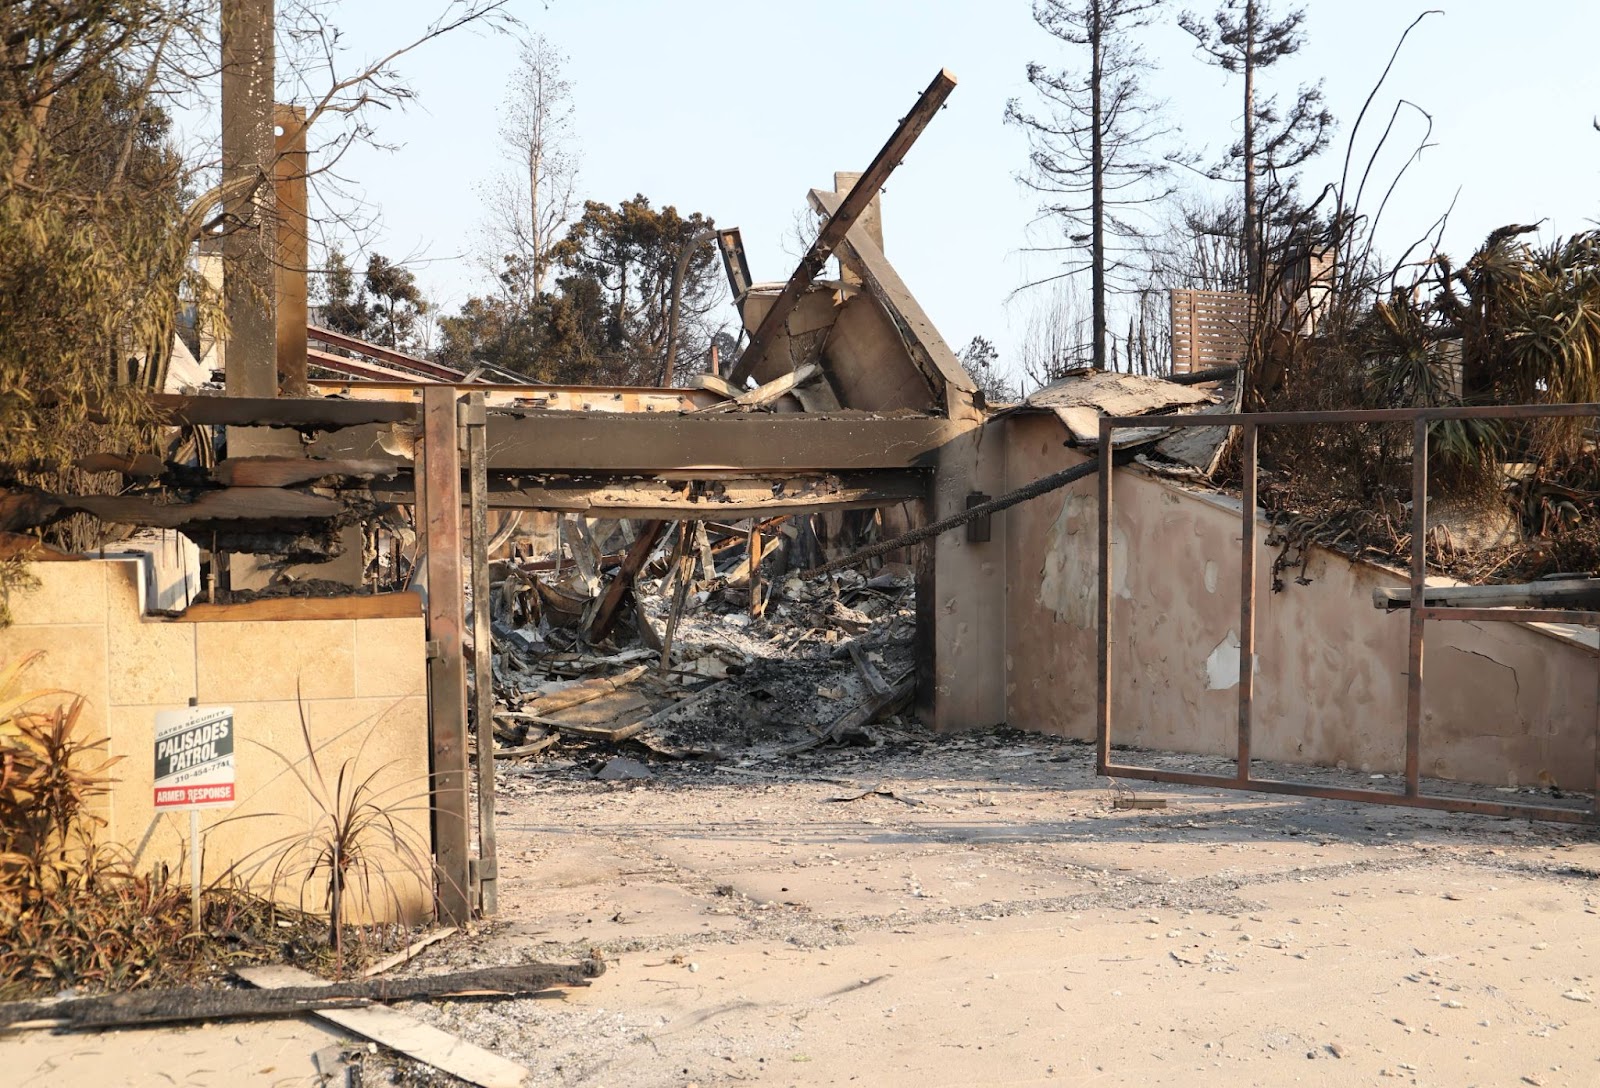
<point x="608" y="318"/>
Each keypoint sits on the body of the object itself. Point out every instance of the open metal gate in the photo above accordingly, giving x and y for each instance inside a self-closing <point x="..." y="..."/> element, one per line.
<point x="1418" y="609"/>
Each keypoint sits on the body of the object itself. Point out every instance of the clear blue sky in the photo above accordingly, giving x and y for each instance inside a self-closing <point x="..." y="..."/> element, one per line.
<point x="735" y="109"/>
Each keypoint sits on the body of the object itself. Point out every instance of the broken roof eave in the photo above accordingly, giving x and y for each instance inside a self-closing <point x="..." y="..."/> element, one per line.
<point x="1081" y="399"/>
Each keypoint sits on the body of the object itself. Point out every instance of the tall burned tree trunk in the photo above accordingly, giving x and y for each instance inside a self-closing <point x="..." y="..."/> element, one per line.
<point x="1097" y="256"/>
<point x="1252" y="243"/>
<point x="1090" y="155"/>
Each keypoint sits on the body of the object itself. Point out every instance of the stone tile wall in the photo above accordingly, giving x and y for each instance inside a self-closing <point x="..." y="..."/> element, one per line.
<point x="329" y="713"/>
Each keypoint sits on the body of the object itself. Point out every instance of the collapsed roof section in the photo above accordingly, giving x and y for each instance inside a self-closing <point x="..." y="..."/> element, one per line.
<point x="1081" y="398"/>
<point x="875" y="346"/>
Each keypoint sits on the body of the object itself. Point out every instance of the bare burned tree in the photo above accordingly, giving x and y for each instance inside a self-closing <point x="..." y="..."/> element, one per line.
<point x="1200" y="246"/>
<point x="1089" y="146"/>
<point x="1055" y="337"/>
<point x="1243" y="37"/>
<point x="532" y="205"/>
<point x="100" y="207"/>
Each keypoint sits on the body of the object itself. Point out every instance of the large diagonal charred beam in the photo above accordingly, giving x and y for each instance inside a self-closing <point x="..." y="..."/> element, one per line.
<point x="839" y="223"/>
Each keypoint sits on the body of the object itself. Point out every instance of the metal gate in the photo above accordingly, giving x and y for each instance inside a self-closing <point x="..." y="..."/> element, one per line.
<point x="1418" y="610"/>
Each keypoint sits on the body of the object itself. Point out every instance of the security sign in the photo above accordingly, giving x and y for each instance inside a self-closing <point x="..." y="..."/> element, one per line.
<point x="194" y="757"/>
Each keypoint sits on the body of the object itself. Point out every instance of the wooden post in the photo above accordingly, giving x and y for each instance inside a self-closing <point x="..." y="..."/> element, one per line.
<point x="1194" y="362"/>
<point x="681" y="568"/>
<point x="439" y="507"/>
<point x="871" y="218"/>
<point x="482" y="650"/>
<point x="753" y="557"/>
<point x="248" y="150"/>
<point x="289" y="271"/>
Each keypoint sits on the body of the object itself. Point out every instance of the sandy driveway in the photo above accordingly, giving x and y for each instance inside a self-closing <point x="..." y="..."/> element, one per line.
<point x="994" y="921"/>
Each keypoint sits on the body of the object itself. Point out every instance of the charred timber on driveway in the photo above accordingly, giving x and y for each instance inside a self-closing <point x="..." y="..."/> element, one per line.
<point x="203" y="1003"/>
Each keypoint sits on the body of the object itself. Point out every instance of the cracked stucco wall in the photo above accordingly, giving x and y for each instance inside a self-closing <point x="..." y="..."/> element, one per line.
<point x="1503" y="703"/>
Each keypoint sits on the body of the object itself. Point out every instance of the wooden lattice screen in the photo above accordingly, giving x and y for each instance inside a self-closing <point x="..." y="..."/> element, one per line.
<point x="1209" y="328"/>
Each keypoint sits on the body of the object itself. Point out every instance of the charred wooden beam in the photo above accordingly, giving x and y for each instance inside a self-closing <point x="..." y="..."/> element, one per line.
<point x="141" y="465"/>
<point x="209" y="1003"/>
<point x="699" y="499"/>
<point x="769" y="393"/>
<point x="27" y="508"/>
<point x="382" y="354"/>
<point x="606" y="615"/>
<point x="726" y="496"/>
<point x="690" y="445"/>
<point x="306" y="414"/>
<point x="840" y="222"/>
<point x="564" y="398"/>
<point x="361" y="368"/>
<point x="254" y="504"/>
<point x="752" y="443"/>
<point x="285" y="471"/>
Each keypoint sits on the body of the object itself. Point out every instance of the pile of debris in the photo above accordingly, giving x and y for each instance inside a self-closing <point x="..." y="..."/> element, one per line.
<point x="692" y="641"/>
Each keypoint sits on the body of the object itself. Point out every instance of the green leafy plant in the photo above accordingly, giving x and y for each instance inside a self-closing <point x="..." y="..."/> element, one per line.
<point x="49" y="777"/>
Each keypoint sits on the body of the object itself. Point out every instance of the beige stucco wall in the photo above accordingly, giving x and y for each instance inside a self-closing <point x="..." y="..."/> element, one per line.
<point x="361" y="684"/>
<point x="963" y="597"/>
<point x="1503" y="702"/>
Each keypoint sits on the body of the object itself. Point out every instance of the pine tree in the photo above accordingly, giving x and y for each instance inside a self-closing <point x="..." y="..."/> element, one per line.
<point x="1089" y="148"/>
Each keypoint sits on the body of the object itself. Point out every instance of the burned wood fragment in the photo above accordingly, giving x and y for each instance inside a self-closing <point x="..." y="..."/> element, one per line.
<point x="198" y="1003"/>
<point x="683" y="566"/>
<point x="764" y="395"/>
<point x="143" y="465"/>
<point x="581" y="692"/>
<point x="259" y="504"/>
<point x="27" y="508"/>
<point x="284" y="471"/>
<point x="859" y="716"/>
<point x="875" y="682"/>
<point x="606" y="614"/>
<point x="532" y="748"/>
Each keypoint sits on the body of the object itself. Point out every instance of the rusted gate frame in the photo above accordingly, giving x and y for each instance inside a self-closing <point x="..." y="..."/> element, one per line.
<point x="485" y="867"/>
<point x="439" y="512"/>
<point x="1419" y="611"/>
